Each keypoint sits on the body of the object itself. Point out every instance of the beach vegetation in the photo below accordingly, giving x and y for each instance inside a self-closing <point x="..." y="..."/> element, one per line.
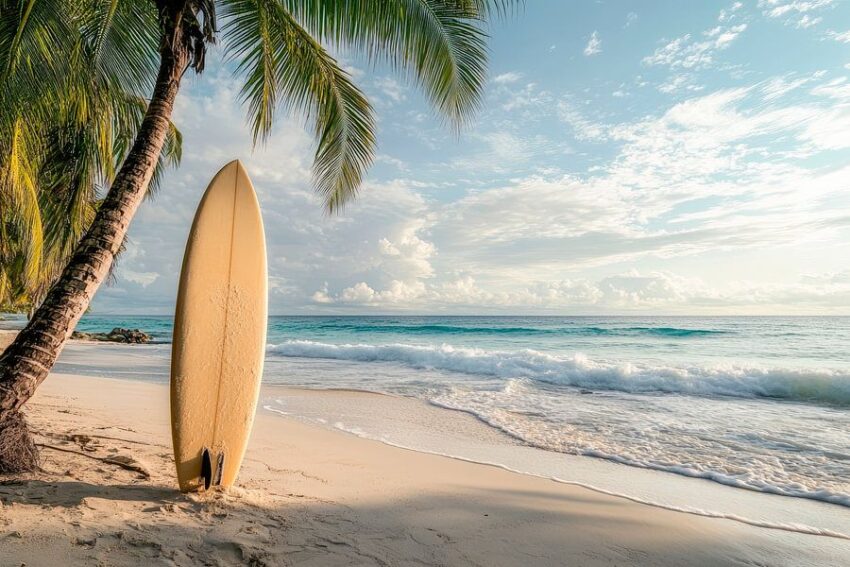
<point x="70" y="107"/>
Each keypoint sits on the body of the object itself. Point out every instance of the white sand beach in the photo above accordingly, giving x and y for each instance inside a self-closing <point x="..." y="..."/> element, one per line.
<point x="312" y="496"/>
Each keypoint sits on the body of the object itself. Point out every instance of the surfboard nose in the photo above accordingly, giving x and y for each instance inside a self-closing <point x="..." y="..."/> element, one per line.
<point x="233" y="167"/>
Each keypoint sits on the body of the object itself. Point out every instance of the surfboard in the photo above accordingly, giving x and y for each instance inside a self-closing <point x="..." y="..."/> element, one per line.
<point x="219" y="333"/>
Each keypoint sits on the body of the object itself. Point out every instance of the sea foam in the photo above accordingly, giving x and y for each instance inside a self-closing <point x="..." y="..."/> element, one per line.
<point x="824" y="386"/>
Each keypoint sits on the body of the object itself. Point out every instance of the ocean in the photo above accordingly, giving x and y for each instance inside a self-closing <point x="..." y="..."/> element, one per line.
<point x="758" y="403"/>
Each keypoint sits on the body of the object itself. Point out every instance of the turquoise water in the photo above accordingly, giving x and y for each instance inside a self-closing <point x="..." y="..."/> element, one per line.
<point x="792" y="342"/>
<point x="759" y="403"/>
<point x="769" y="342"/>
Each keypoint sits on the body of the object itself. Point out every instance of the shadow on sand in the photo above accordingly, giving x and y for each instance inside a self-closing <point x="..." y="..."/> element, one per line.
<point x="124" y="524"/>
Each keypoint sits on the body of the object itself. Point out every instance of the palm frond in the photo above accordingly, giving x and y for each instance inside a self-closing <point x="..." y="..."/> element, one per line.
<point x="17" y="184"/>
<point x="492" y="8"/>
<point x="439" y="44"/>
<point x="32" y="42"/>
<point x="120" y="42"/>
<point x="283" y="65"/>
<point x="70" y="108"/>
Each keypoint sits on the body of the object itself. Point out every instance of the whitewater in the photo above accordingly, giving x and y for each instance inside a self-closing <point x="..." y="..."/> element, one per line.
<point x="815" y="385"/>
<point x="756" y="403"/>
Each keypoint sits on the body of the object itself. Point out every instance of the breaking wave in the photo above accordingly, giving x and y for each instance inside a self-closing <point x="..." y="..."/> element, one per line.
<point x="824" y="386"/>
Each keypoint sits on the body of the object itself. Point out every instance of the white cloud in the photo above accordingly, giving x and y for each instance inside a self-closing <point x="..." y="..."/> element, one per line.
<point x="529" y="96"/>
<point x="144" y="279"/>
<point x="679" y="83"/>
<point x="594" y="45"/>
<point x="779" y="8"/>
<point x="686" y="52"/>
<point x="706" y="148"/>
<point x="777" y="87"/>
<point x="843" y="37"/>
<point x="507" y="78"/>
<point x="583" y="128"/>
<point x="631" y="291"/>
<point x="808" y="21"/>
<point x="562" y="207"/>
<point x="668" y="291"/>
<point x="838" y="89"/>
<point x="464" y="292"/>
<point x="502" y="151"/>
<point x="828" y="131"/>
<point x="391" y="88"/>
<point x="395" y="162"/>
<point x="397" y="292"/>
<point x="631" y="18"/>
<point x="729" y="13"/>
<point x="796" y="12"/>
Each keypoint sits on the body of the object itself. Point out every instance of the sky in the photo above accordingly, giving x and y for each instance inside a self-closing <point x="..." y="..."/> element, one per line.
<point x="630" y="157"/>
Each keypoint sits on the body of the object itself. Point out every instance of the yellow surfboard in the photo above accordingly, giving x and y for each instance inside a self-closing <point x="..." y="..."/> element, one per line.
<point x="219" y="333"/>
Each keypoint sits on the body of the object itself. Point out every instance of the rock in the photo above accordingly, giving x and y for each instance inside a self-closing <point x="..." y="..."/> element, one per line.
<point x="87" y="541"/>
<point x="116" y="335"/>
<point x="128" y="336"/>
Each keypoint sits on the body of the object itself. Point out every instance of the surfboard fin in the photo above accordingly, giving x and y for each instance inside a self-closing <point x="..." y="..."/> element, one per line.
<point x="219" y="469"/>
<point x="206" y="468"/>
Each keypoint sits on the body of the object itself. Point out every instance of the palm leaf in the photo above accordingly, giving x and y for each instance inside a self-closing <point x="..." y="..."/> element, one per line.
<point x="439" y="44"/>
<point x="283" y="65"/>
<point x="121" y="42"/>
<point x="18" y="185"/>
<point x="69" y="111"/>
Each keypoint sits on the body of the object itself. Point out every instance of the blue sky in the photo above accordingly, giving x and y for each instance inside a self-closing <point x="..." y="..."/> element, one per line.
<point x="631" y="157"/>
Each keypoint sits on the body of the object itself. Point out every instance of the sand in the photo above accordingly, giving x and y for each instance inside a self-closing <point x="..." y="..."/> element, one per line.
<point x="6" y="338"/>
<point x="312" y="496"/>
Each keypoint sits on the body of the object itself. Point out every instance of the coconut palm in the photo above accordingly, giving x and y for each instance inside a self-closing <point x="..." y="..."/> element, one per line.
<point x="49" y="199"/>
<point x="278" y="48"/>
<point x="69" y="114"/>
<point x="60" y="140"/>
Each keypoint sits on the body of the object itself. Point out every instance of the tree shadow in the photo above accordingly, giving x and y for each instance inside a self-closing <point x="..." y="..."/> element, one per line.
<point x="68" y="494"/>
<point x="130" y="523"/>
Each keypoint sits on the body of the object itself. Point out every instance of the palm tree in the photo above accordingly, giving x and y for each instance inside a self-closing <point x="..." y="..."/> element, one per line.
<point x="277" y="47"/>
<point x="50" y="174"/>
<point x="61" y="139"/>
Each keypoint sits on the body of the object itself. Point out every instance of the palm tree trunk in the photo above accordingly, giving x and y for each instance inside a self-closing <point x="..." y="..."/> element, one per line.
<point x="27" y="361"/>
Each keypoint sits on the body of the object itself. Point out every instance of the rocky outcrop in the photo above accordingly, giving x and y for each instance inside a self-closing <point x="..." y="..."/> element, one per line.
<point x="116" y="335"/>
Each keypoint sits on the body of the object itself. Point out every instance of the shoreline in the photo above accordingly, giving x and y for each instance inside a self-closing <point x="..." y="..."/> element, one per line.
<point x="336" y="498"/>
<point x="677" y="487"/>
<point x="108" y="360"/>
<point x="491" y="446"/>
<point x="331" y="499"/>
